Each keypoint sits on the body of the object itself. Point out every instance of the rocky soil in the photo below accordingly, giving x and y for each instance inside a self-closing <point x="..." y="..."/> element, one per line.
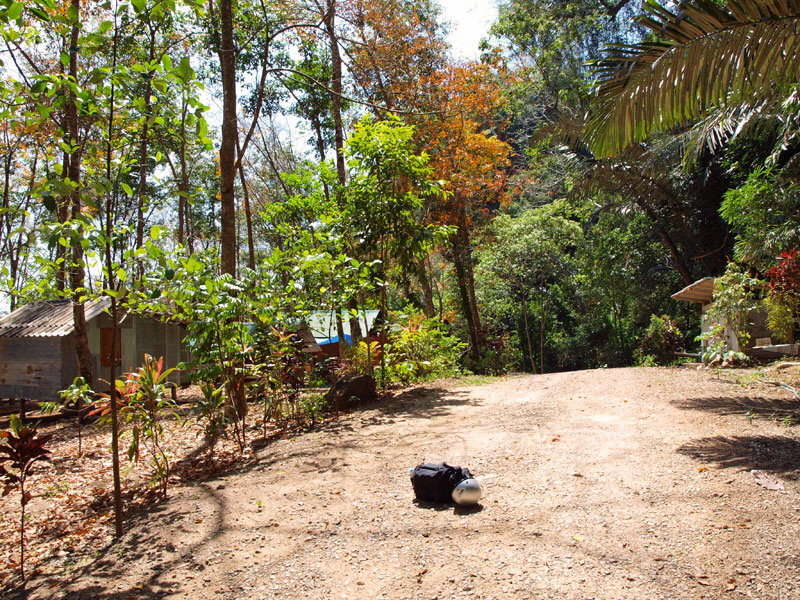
<point x="619" y="483"/>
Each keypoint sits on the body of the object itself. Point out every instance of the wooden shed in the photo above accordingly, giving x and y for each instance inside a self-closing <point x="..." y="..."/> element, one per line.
<point x="37" y="347"/>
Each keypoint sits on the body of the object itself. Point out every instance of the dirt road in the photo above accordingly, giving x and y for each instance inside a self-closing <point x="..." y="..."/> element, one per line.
<point x="629" y="483"/>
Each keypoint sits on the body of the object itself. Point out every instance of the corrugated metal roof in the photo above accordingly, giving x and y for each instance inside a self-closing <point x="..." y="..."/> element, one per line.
<point x="323" y="325"/>
<point x="701" y="291"/>
<point x="47" y="318"/>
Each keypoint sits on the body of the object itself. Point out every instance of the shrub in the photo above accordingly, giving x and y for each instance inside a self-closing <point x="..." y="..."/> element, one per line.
<point x="420" y="349"/>
<point x="661" y="339"/>
<point x="499" y="356"/>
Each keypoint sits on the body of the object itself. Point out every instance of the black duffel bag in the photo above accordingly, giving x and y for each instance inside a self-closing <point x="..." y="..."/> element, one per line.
<point x="436" y="482"/>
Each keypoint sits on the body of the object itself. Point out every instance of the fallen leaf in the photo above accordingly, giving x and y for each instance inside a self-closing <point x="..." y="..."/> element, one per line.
<point x="702" y="469"/>
<point x="766" y="482"/>
<point x="577" y="538"/>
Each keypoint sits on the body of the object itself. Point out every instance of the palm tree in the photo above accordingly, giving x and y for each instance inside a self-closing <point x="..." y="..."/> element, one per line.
<point x="741" y="60"/>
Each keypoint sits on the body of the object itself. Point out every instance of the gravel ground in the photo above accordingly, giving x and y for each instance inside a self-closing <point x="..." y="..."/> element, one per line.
<point x="619" y="483"/>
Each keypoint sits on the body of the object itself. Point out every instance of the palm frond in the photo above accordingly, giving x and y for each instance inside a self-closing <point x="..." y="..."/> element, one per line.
<point x="630" y="182"/>
<point x="746" y="54"/>
<point x="719" y="127"/>
<point x="562" y="132"/>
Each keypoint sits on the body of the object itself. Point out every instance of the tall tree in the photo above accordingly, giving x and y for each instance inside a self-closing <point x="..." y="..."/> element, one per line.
<point x="230" y="133"/>
<point x="528" y="256"/>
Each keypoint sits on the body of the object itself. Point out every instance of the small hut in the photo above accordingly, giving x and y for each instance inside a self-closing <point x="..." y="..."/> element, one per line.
<point x="37" y="347"/>
<point x="702" y="292"/>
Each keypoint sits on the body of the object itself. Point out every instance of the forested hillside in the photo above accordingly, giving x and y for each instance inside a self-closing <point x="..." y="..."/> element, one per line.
<point x="239" y="162"/>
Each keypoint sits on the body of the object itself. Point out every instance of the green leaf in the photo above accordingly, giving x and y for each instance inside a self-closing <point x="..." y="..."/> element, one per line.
<point x="127" y="189"/>
<point x="14" y="11"/>
<point x="98" y="76"/>
<point x="39" y="13"/>
<point x="184" y="69"/>
<point x="193" y="265"/>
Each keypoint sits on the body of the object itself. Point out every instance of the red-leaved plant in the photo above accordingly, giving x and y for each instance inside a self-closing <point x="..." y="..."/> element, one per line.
<point x="783" y="282"/>
<point x="23" y="447"/>
<point x="143" y="396"/>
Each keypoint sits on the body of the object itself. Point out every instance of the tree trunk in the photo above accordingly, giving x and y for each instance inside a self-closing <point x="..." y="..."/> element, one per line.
<point x="355" y="325"/>
<point x="462" y="253"/>
<point x="317" y="125"/>
<point x="227" y="151"/>
<point x="115" y="317"/>
<point x="541" y="333"/>
<point x="680" y="264"/>
<point x="676" y="256"/>
<point x="329" y="20"/>
<point x="76" y="269"/>
<point x="471" y="287"/>
<point x="528" y="333"/>
<point x="184" y="233"/>
<point x="463" y="290"/>
<point x="427" y="289"/>
<point x="143" y="147"/>
<point x="248" y="216"/>
<point x="63" y="217"/>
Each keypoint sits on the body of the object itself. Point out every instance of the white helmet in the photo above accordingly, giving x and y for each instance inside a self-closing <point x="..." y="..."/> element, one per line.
<point x="467" y="492"/>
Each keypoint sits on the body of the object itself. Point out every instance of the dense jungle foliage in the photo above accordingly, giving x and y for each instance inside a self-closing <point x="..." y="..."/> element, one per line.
<point x="538" y="205"/>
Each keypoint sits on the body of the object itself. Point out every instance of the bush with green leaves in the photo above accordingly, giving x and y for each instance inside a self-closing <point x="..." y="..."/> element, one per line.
<point x="421" y="349"/>
<point x="78" y="397"/>
<point x="783" y="294"/>
<point x="661" y="340"/>
<point x="716" y="352"/>
<point x="735" y="297"/>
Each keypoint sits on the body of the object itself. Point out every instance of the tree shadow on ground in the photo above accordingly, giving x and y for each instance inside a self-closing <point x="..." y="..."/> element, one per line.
<point x="773" y="454"/>
<point x="425" y="402"/>
<point x="415" y="403"/>
<point x="104" y="570"/>
<point x="788" y="410"/>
